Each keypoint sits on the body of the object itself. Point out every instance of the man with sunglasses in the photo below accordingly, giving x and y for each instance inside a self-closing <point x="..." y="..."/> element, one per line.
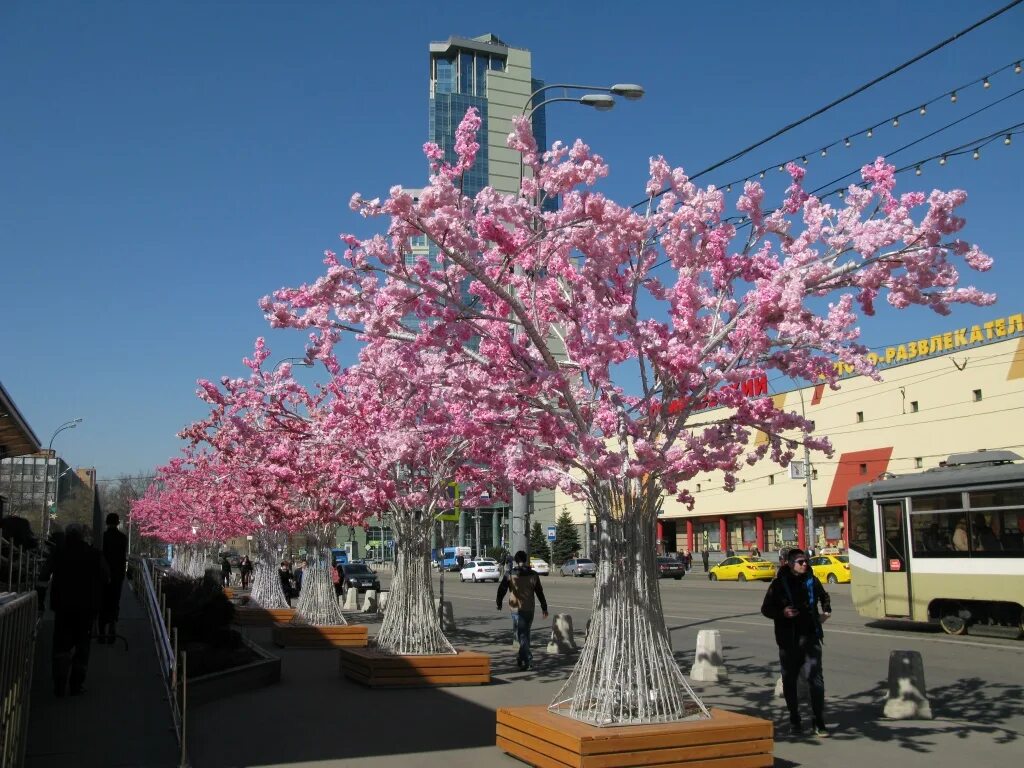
<point x="792" y="602"/>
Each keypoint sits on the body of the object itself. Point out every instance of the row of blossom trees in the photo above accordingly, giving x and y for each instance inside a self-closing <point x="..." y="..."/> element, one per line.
<point x="535" y="348"/>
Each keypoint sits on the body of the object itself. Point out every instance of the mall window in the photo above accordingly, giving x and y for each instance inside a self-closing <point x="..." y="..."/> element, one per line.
<point x="914" y="407"/>
<point x="977" y="395"/>
<point x="860" y="416"/>
<point x="918" y="463"/>
<point x="863" y="469"/>
<point x="771" y="479"/>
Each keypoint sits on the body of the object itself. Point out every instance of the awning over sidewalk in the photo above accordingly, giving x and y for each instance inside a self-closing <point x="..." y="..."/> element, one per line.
<point x="16" y="436"/>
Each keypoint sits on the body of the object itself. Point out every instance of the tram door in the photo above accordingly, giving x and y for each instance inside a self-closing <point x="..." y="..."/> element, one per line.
<point x="895" y="562"/>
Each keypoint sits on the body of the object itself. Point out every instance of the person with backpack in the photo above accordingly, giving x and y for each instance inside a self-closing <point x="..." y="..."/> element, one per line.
<point x="792" y="602"/>
<point x="523" y="586"/>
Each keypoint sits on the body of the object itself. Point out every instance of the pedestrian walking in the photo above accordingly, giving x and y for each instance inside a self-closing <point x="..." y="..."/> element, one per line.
<point x="524" y="590"/>
<point x="115" y="553"/>
<point x="754" y="551"/>
<point x="285" y="574"/>
<point x="245" y="570"/>
<point x="225" y="570"/>
<point x="687" y="560"/>
<point x="792" y="602"/>
<point x="705" y="556"/>
<point x="79" y="574"/>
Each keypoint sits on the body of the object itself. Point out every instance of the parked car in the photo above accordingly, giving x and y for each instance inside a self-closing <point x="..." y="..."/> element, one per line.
<point x="480" y="570"/>
<point x="670" y="567"/>
<point x="579" y="566"/>
<point x="540" y="566"/>
<point x="835" y="569"/>
<point x="358" y="576"/>
<point x="742" y="568"/>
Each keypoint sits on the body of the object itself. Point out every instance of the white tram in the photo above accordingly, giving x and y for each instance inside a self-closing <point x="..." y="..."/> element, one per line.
<point x="943" y="545"/>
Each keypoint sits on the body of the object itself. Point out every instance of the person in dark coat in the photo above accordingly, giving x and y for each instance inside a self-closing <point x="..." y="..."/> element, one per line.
<point x="792" y="602"/>
<point x="225" y="571"/>
<point x="705" y="556"/>
<point x="245" y="569"/>
<point x="115" y="553"/>
<point x="79" y="575"/>
<point x="285" y="574"/>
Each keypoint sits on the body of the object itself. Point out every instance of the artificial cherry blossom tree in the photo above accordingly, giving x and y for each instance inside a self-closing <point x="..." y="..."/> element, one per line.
<point x="408" y="429"/>
<point x="290" y="477"/>
<point x="613" y="323"/>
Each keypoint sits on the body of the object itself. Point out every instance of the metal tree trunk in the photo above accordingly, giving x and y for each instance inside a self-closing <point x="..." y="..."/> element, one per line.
<point x="266" y="584"/>
<point x="411" y="626"/>
<point x="626" y="673"/>
<point x="318" y="602"/>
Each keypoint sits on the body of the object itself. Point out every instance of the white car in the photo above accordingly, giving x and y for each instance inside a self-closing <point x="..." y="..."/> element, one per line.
<point x="479" y="570"/>
<point x="539" y="566"/>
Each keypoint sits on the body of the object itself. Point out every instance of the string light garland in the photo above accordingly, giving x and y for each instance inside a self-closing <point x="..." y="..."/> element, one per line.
<point x="921" y="108"/>
<point x="844" y="98"/>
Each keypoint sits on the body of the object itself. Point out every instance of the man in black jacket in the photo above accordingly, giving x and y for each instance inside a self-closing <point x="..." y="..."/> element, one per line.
<point x="524" y="590"/>
<point x="792" y="602"/>
<point x="115" y="552"/>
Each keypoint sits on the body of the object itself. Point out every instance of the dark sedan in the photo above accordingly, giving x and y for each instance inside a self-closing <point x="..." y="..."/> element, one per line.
<point x="358" y="575"/>
<point x="670" y="567"/>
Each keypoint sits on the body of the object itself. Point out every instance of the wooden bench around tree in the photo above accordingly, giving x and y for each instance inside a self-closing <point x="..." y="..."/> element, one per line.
<point x="308" y="636"/>
<point x="253" y="616"/>
<point x="547" y="740"/>
<point x="383" y="670"/>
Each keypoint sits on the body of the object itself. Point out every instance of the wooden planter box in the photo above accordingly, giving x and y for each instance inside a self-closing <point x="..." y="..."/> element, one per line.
<point x="547" y="740"/>
<point x="243" y="679"/>
<point x="307" y="636"/>
<point x="262" y="617"/>
<point x="383" y="670"/>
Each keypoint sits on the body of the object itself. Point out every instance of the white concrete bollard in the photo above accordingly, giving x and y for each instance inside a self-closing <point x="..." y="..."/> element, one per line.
<point x="447" y="614"/>
<point x="382" y="601"/>
<point x="908" y="694"/>
<point x="563" y="638"/>
<point x="351" y="600"/>
<point x="708" y="661"/>
<point x="370" y="601"/>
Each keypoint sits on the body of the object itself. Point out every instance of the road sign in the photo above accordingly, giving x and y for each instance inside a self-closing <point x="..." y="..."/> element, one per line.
<point x="455" y="495"/>
<point x="551" y="533"/>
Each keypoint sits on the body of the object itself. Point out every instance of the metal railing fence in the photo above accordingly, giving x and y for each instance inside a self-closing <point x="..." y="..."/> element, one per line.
<point x="18" y="629"/>
<point x="147" y="583"/>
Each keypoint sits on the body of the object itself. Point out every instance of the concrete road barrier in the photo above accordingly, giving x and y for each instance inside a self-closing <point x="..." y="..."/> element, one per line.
<point x="370" y="601"/>
<point x="351" y="600"/>
<point x="563" y="638"/>
<point x="908" y="694"/>
<point x="708" y="662"/>
<point x="382" y="601"/>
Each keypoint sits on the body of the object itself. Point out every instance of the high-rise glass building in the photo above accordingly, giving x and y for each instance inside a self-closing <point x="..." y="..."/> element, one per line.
<point x="486" y="73"/>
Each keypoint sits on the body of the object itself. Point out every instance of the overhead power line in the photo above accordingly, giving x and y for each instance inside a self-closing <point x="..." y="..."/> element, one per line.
<point x="845" y="97"/>
<point x="858" y="90"/>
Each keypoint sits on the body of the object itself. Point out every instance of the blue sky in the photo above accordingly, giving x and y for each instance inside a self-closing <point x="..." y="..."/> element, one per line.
<point x="165" y="164"/>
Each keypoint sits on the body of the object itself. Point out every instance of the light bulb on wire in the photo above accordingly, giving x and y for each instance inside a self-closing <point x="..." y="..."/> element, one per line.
<point x="1016" y="68"/>
<point x="824" y="151"/>
<point x="895" y="122"/>
<point x="847" y="141"/>
<point x="986" y="84"/>
<point x="870" y="133"/>
<point x="923" y="110"/>
<point x="1006" y="141"/>
<point x="952" y="97"/>
<point x="917" y="171"/>
<point x="942" y="160"/>
<point x="977" y="154"/>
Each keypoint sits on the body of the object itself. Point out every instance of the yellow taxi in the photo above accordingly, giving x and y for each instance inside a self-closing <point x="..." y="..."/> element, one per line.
<point x="742" y="568"/>
<point x="835" y="569"/>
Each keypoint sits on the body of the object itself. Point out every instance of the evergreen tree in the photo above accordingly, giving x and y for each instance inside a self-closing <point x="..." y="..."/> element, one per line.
<point x="539" y="543"/>
<point x="567" y="539"/>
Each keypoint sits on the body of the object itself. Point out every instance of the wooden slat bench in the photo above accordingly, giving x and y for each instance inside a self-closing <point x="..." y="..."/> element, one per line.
<point x="381" y="670"/>
<point x="262" y="617"/>
<point x="307" y="636"/>
<point x="548" y="740"/>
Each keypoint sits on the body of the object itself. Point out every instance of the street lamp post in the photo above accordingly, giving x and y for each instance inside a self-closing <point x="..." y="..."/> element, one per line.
<point x="294" y="360"/>
<point x="44" y="527"/>
<point x="602" y="99"/>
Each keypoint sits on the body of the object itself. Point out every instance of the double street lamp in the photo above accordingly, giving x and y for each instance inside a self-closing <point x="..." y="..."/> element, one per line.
<point x="601" y="98"/>
<point x="44" y="520"/>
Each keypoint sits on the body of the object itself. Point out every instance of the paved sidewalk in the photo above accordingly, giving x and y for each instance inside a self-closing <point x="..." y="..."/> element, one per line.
<point x="121" y="721"/>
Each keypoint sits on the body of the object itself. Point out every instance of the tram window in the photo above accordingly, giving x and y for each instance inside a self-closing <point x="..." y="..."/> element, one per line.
<point x="862" y="527"/>
<point x="997" y="497"/>
<point x="997" y="533"/>
<point x="939" y="534"/>
<point x="937" y="501"/>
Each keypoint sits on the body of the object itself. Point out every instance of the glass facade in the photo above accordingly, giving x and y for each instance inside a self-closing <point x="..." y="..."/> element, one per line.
<point x="22" y="479"/>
